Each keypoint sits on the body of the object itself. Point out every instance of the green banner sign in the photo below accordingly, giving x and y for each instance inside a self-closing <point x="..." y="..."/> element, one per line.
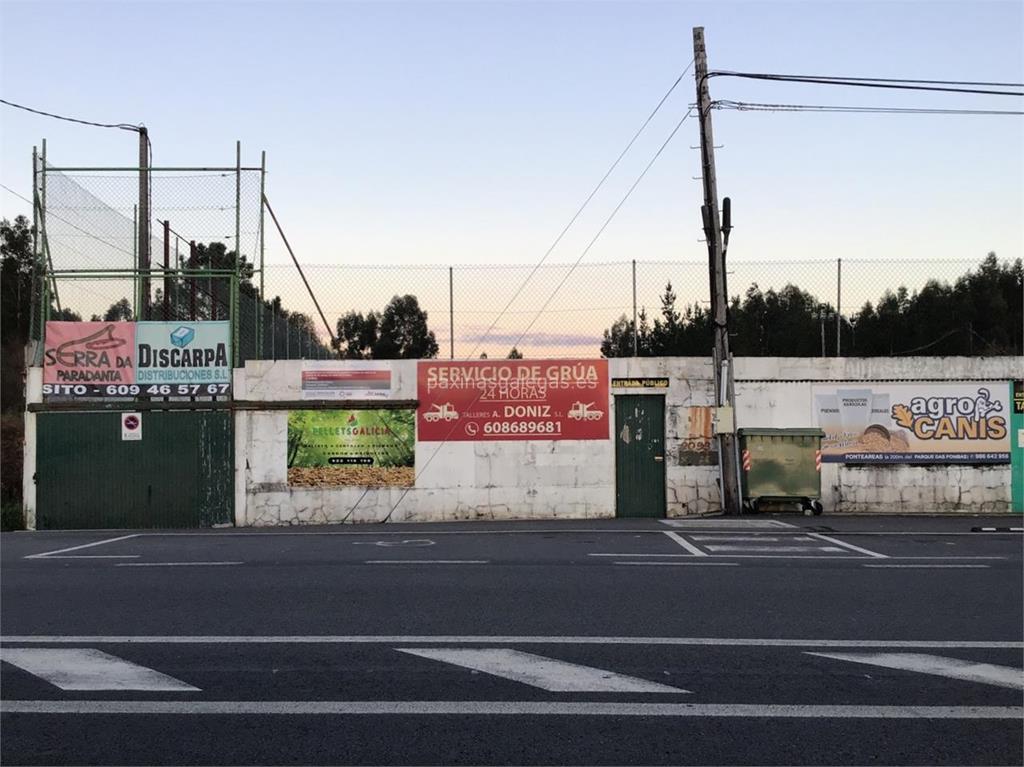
<point x="363" y="448"/>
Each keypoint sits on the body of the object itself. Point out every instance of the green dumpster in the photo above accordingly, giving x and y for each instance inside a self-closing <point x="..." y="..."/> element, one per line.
<point x="782" y="466"/>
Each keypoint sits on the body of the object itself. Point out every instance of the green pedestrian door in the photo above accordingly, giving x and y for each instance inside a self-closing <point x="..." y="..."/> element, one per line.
<point x="639" y="455"/>
<point x="179" y="474"/>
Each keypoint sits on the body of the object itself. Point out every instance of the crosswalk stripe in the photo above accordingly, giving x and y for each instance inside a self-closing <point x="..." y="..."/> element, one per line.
<point x="87" y="669"/>
<point x="777" y="549"/>
<point x="538" y="671"/>
<point x="954" y="668"/>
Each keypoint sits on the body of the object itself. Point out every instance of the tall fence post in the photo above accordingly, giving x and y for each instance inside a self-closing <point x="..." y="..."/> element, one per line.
<point x="135" y="260"/>
<point x="451" y="312"/>
<point x="235" y="279"/>
<point x="262" y="292"/>
<point x="839" y="307"/>
<point x="636" y="334"/>
<point x="192" y="281"/>
<point x="167" y="270"/>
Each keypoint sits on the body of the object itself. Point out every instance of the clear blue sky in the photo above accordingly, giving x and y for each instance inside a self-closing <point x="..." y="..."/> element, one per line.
<point x="469" y="132"/>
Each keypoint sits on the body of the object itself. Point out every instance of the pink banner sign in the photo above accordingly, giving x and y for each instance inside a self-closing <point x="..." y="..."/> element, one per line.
<point x="89" y="355"/>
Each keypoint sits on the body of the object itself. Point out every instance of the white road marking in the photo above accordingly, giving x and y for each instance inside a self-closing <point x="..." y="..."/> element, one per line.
<point x="537" y="671"/>
<point x="690" y="564"/>
<point x="712" y="522"/>
<point x="427" y="561"/>
<point x="685" y="556"/>
<point x="411" y="542"/>
<point x="83" y="546"/>
<point x="685" y="544"/>
<point x="514" y="639"/>
<point x="754" y="538"/>
<point x="928" y="566"/>
<point x="92" y="556"/>
<point x="505" y="708"/>
<point x="954" y="668"/>
<point x="175" y="564"/>
<point x="791" y="549"/>
<point x="88" y="669"/>
<point x="849" y="546"/>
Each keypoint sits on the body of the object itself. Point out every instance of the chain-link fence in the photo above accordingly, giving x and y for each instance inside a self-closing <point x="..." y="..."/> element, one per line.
<point x="89" y="222"/>
<point x="561" y="311"/>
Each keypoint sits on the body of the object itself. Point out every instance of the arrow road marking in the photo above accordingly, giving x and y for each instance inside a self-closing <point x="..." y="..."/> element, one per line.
<point x="86" y="669"/>
<point x="538" y="671"/>
<point x="954" y="668"/>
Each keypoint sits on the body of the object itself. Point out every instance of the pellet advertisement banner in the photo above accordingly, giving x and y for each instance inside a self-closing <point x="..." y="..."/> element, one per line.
<point x="365" y="448"/>
<point x="914" y="423"/>
<point x="512" y="400"/>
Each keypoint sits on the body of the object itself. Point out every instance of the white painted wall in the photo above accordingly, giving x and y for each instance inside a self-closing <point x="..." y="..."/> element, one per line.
<point x="576" y="479"/>
<point x="33" y="393"/>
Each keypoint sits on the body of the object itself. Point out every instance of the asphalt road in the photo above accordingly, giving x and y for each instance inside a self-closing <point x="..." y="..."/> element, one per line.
<point x="774" y="640"/>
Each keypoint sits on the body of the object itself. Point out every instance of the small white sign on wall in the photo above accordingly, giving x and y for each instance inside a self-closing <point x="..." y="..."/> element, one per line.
<point x="131" y="427"/>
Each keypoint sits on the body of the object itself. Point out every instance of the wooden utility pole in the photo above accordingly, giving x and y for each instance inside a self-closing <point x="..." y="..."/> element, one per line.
<point x="719" y="294"/>
<point x="143" y="228"/>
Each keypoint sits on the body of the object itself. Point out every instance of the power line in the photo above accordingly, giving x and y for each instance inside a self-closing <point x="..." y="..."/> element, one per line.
<point x="550" y="298"/>
<point x="750" y="106"/>
<point x="582" y="207"/>
<point x="120" y="126"/>
<point x="939" y="86"/>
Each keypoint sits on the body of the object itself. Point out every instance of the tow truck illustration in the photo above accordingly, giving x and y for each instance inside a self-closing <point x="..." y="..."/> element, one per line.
<point x="443" y="412"/>
<point x="581" y="411"/>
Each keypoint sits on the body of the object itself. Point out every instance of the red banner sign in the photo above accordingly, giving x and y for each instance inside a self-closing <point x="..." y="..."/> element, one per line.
<point x="482" y="401"/>
<point x="89" y="358"/>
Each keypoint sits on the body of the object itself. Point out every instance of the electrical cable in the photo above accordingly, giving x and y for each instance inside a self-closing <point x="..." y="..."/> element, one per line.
<point x="750" y="106"/>
<point x="879" y="79"/>
<point x="582" y="207"/>
<point x="550" y="298"/>
<point x="864" y="83"/>
<point x="120" y="126"/>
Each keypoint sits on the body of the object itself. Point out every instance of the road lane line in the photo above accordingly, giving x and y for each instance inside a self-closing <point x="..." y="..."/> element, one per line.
<point x="175" y="564"/>
<point x="427" y="561"/>
<point x="790" y="549"/>
<point x="505" y="708"/>
<point x="83" y="546"/>
<point x="928" y="566"/>
<point x="849" y="546"/>
<point x="685" y="556"/>
<point x="753" y="538"/>
<point x="514" y="639"/>
<point x="685" y="543"/>
<point x="537" y="671"/>
<point x="729" y="524"/>
<point x="88" y="669"/>
<point x="954" y="668"/>
<point x="92" y="556"/>
<point x="689" y="564"/>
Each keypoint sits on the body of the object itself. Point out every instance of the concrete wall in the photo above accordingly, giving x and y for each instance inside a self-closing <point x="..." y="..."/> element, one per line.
<point x="576" y="479"/>
<point x="535" y="479"/>
<point x="775" y="392"/>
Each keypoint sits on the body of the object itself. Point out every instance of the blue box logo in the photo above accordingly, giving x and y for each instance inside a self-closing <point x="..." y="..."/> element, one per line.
<point x="182" y="337"/>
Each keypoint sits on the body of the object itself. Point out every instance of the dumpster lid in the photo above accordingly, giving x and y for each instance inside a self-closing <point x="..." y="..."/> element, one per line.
<point x="781" y="432"/>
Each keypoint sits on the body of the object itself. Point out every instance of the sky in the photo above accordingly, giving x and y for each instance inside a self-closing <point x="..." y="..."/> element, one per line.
<point x="470" y="132"/>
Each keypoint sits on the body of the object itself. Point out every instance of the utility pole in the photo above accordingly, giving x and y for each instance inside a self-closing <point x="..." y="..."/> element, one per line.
<point x="724" y="393"/>
<point x="143" y="228"/>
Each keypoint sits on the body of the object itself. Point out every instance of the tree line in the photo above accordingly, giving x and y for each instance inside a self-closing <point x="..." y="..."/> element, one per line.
<point x="979" y="314"/>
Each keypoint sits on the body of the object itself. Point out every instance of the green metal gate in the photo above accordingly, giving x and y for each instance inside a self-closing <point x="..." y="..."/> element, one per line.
<point x="639" y="455"/>
<point x="180" y="474"/>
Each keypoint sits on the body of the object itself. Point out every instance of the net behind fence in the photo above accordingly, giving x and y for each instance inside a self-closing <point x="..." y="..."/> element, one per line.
<point x="90" y="232"/>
